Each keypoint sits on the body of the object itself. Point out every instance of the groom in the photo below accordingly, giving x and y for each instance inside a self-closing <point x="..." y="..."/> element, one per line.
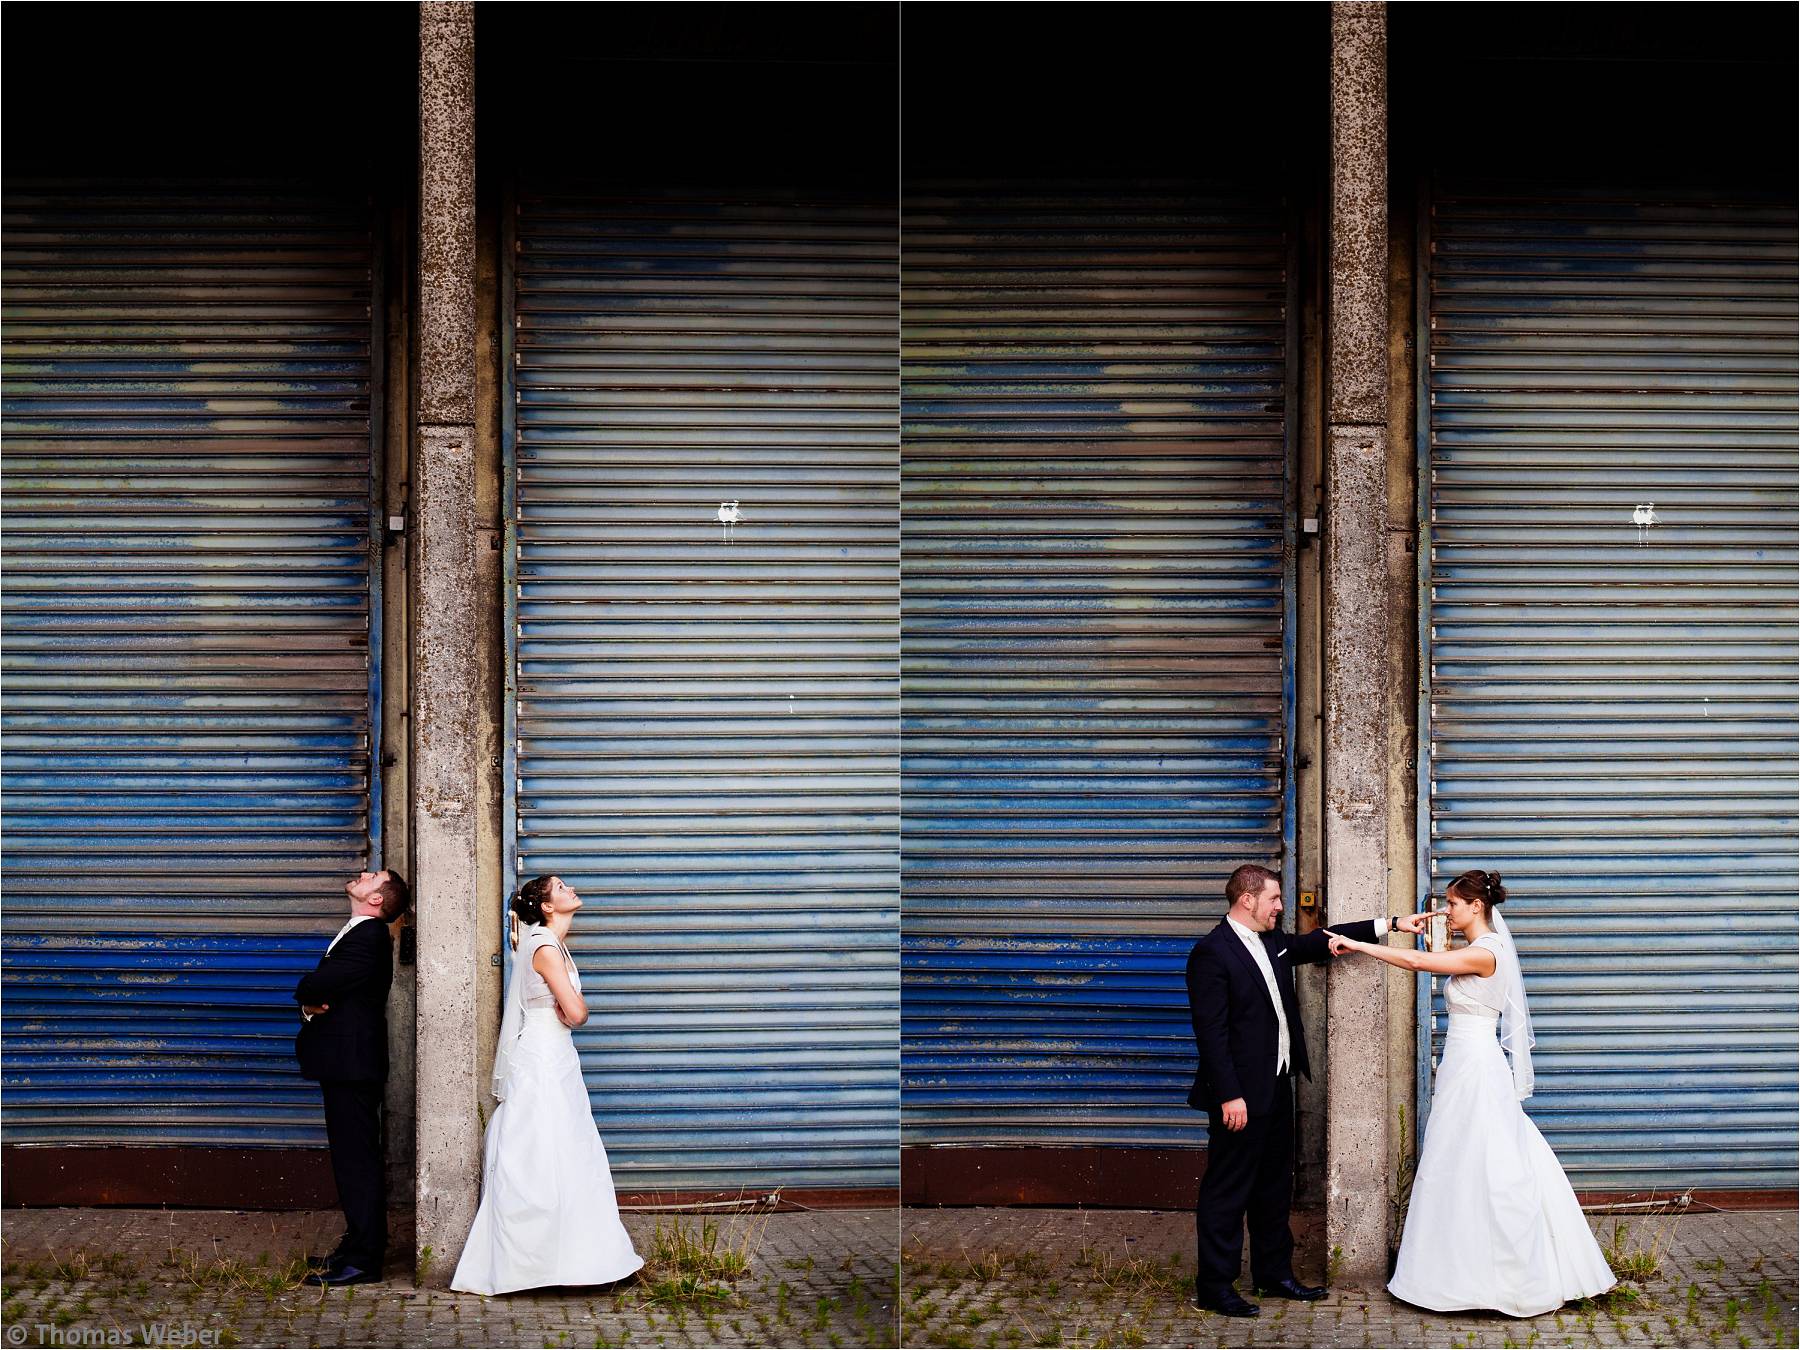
<point x="1240" y="981"/>
<point x="343" y="1046"/>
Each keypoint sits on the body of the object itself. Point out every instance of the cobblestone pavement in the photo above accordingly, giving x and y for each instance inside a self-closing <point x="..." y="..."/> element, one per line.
<point x="209" y="1277"/>
<point x="1024" y="1277"/>
<point x="972" y="1277"/>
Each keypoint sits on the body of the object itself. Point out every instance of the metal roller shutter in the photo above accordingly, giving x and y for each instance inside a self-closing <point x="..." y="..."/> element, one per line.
<point x="706" y="725"/>
<point x="1095" y="580"/>
<point x="187" y="657"/>
<point x="1611" y="638"/>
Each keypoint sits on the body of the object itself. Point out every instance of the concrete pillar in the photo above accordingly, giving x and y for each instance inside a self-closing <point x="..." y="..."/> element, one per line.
<point x="444" y="597"/>
<point x="1357" y="619"/>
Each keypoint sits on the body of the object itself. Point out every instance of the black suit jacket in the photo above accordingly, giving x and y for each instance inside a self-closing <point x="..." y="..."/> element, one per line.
<point x="349" y="1043"/>
<point x="1234" y="1022"/>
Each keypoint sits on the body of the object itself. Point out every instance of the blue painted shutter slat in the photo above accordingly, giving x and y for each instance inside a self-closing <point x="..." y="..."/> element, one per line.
<point x="1094" y="475"/>
<point x="187" y="656"/>
<point x="707" y="719"/>
<point x="1611" y="641"/>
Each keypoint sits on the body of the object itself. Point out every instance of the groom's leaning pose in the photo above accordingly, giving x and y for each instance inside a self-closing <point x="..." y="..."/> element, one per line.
<point x="343" y="1045"/>
<point x="1240" y="980"/>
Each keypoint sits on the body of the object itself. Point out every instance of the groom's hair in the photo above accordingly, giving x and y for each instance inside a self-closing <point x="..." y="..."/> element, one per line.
<point x="396" y="896"/>
<point x="1247" y="880"/>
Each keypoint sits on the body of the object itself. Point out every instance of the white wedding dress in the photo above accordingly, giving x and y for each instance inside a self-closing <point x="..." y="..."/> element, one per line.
<point x="1493" y="1221"/>
<point x="549" y="1214"/>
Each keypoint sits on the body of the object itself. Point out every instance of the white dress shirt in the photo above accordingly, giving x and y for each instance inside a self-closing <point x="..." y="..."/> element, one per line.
<point x="354" y="920"/>
<point x="1260" y="954"/>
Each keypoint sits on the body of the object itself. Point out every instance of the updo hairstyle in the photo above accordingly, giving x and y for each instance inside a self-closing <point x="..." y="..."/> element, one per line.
<point x="1479" y="885"/>
<point x="528" y="903"/>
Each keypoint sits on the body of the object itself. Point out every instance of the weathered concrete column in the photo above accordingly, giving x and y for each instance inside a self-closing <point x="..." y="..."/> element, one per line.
<point x="444" y="599"/>
<point x="1356" y="639"/>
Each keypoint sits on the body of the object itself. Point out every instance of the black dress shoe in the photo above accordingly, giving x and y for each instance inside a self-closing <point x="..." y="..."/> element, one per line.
<point x="1292" y="1288"/>
<point x="324" y="1262"/>
<point x="337" y="1275"/>
<point x="1227" y="1301"/>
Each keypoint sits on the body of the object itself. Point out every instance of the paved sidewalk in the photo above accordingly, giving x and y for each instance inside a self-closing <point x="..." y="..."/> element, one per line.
<point x="1035" y="1277"/>
<point x="980" y="1277"/>
<point x="208" y="1277"/>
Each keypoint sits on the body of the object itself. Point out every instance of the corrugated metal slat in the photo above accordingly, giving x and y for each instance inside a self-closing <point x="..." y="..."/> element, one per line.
<point x="1094" y="469"/>
<point x="187" y="658"/>
<point x="707" y="721"/>
<point x="1612" y="703"/>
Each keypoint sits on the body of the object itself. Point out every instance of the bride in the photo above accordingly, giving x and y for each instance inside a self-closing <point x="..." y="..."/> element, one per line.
<point x="548" y="1212"/>
<point x="1488" y="1190"/>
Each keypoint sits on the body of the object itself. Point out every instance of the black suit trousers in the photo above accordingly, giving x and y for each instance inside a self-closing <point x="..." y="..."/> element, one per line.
<point x="353" y="1129"/>
<point x="1249" y="1176"/>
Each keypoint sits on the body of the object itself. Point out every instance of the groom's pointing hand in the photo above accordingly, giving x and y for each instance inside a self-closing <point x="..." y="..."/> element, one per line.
<point x="1411" y="923"/>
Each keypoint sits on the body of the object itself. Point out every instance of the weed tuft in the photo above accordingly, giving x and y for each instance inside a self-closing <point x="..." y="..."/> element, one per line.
<point x="693" y="1262"/>
<point x="686" y="1248"/>
<point x="1635" y="1260"/>
<point x="197" y="1272"/>
<point x="680" y="1291"/>
<point x="1130" y="1274"/>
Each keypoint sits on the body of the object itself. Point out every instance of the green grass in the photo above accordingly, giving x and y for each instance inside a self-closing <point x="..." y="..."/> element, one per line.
<point x="1632" y="1258"/>
<point x="702" y="1248"/>
<point x="1130" y="1274"/>
<point x="194" y="1273"/>
<point x="680" y="1291"/>
<point x="694" y="1263"/>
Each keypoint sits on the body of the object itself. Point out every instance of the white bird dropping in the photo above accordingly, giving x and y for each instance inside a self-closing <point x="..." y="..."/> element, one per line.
<point x="729" y="515"/>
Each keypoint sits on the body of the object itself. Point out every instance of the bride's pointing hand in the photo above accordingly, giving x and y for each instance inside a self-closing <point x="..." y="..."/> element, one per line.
<point x="1340" y="945"/>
